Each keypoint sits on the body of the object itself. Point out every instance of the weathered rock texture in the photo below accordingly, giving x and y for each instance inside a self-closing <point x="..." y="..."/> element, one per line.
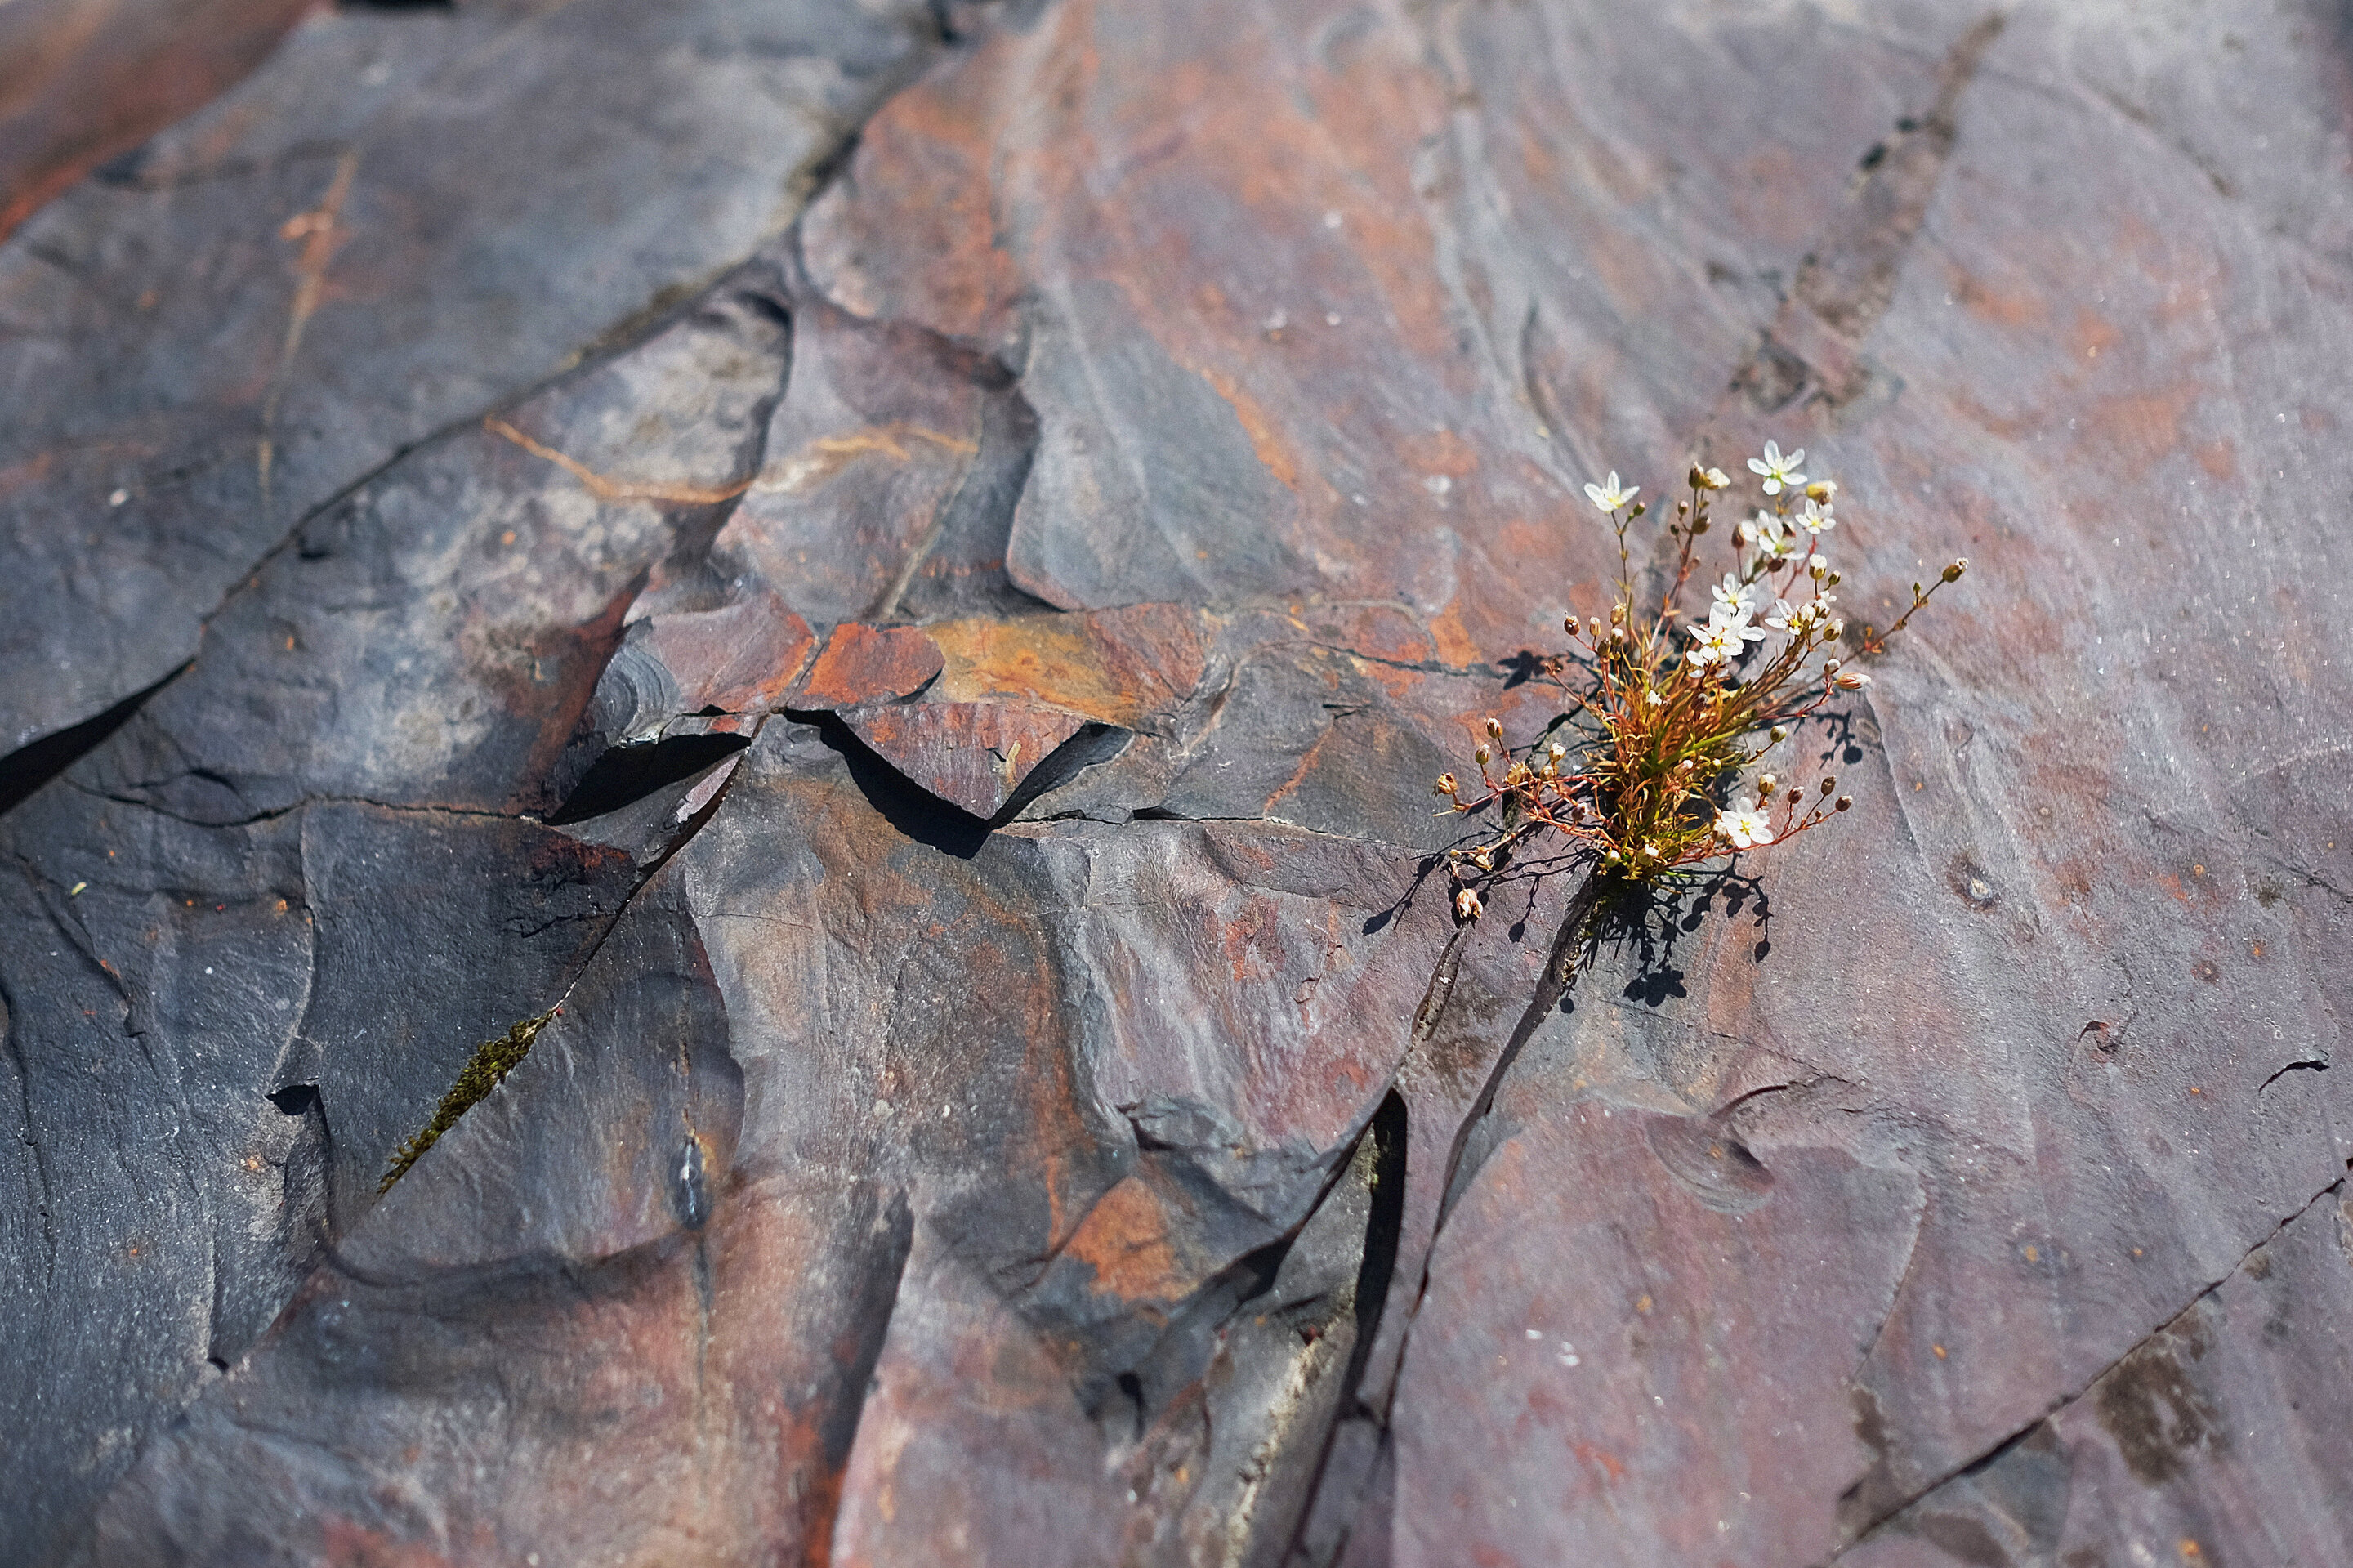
<point x="909" y="568"/>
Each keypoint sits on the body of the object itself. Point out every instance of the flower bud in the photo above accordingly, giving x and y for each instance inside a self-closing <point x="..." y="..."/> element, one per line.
<point x="1829" y="785"/>
<point x="1766" y="785"/>
<point x="1817" y="568"/>
<point x="1953" y="573"/>
<point x="1467" y="905"/>
<point x="1837" y="630"/>
<point x="1571" y="625"/>
<point x="1494" y="729"/>
<point x="1780" y="732"/>
<point x="1639" y="508"/>
<point x="1820" y="490"/>
<point x="1716" y="479"/>
<point x="1702" y="523"/>
<point x="1833" y="579"/>
<point x="1557" y="750"/>
<point x="1698" y="477"/>
<point x="1852" y="680"/>
<point x="1829" y="666"/>
<point x="1446" y="784"/>
<point x="1845" y="802"/>
<point x="1617" y="615"/>
<point x="1483" y="755"/>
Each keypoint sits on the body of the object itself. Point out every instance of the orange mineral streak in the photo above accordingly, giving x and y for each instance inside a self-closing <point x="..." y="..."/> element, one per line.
<point x="320" y="232"/>
<point x="605" y="488"/>
<point x="1125" y="1239"/>
<point x="868" y="665"/>
<point x="1116" y="666"/>
<point x="822" y="458"/>
<point x="1266" y="438"/>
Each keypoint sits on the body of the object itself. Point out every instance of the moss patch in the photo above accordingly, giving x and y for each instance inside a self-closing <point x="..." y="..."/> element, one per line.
<point x="492" y="1061"/>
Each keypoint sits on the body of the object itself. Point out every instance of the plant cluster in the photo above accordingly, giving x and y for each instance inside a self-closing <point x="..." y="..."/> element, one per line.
<point x="1648" y="771"/>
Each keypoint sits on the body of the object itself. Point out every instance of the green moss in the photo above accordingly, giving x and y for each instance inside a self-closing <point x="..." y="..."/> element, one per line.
<point x="492" y="1061"/>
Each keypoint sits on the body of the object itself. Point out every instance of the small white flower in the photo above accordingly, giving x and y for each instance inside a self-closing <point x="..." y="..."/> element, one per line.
<point x="1654" y="698"/>
<point x="1722" y="638"/>
<point x="1822" y="601"/>
<point x="1766" y="532"/>
<point x="1786" y="617"/>
<point x="1778" y="470"/>
<point x="1715" y="478"/>
<point x="1815" y="518"/>
<point x="1610" y="497"/>
<point x="1738" y="621"/>
<point x="1732" y="594"/>
<point x="1745" y="825"/>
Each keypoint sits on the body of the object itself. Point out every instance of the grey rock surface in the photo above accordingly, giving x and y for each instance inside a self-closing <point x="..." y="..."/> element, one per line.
<point x="911" y="572"/>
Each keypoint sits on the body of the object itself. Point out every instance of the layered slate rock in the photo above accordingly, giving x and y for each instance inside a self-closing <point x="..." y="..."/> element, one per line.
<point x="947" y="711"/>
<point x="406" y="222"/>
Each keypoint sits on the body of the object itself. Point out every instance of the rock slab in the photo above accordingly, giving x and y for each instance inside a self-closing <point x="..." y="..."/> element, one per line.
<point x="910" y="570"/>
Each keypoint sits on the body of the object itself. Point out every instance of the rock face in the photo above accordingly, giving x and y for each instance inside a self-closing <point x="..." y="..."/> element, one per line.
<point x="909" y="568"/>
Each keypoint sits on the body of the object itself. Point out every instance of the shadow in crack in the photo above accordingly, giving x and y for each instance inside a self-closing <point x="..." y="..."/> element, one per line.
<point x="945" y="826"/>
<point x="24" y="770"/>
<point x="906" y="805"/>
<point x="625" y="774"/>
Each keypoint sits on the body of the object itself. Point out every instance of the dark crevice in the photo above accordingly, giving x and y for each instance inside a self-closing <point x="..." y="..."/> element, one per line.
<point x="928" y="819"/>
<point x="1384" y="1239"/>
<point x="1384" y="1228"/>
<point x="2293" y="1067"/>
<point x="1347" y="1483"/>
<point x="906" y="805"/>
<point x="1091" y="744"/>
<point x="1130" y="1388"/>
<point x="626" y="774"/>
<point x="1560" y="971"/>
<point x="421" y="808"/>
<point x="893" y="1238"/>
<point x="21" y="1067"/>
<point x="1888" y="1515"/>
<point x="958" y="567"/>
<point x="24" y="770"/>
